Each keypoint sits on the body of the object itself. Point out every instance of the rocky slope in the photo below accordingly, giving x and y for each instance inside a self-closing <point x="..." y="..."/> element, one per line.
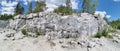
<point x="55" y="27"/>
<point x="52" y="24"/>
<point x="15" y="41"/>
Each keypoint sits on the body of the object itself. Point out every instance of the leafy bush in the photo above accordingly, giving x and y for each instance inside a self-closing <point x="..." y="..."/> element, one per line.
<point x="68" y="36"/>
<point x="38" y="33"/>
<point x="112" y="30"/>
<point x="98" y="35"/>
<point x="104" y="33"/>
<point x="24" y="32"/>
<point x="115" y="24"/>
<point x="6" y="17"/>
<point x="64" y="10"/>
<point x="118" y="27"/>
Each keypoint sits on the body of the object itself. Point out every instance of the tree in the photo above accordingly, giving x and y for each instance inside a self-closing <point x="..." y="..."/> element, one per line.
<point x="40" y="5"/>
<point x="65" y="10"/>
<point x="89" y="7"/>
<point x="61" y="9"/>
<point x="115" y="24"/>
<point x="6" y="17"/>
<point x="93" y="6"/>
<point x="68" y="3"/>
<point x="19" y="9"/>
<point x="85" y="5"/>
<point x="30" y="8"/>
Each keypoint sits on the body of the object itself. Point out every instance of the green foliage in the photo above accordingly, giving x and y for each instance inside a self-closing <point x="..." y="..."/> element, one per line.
<point x="64" y="10"/>
<point x="19" y="9"/>
<point x="112" y="30"/>
<point x="98" y="35"/>
<point x="106" y="19"/>
<point x="30" y="8"/>
<point x="38" y="33"/>
<point x="88" y="6"/>
<point x="115" y="24"/>
<point x="104" y="33"/>
<point x="6" y="17"/>
<point x="118" y="27"/>
<point x="39" y="6"/>
<point x="68" y="36"/>
<point x="24" y="32"/>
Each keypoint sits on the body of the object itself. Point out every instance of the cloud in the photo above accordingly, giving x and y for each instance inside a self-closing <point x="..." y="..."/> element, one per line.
<point x="108" y="16"/>
<point x="116" y="0"/>
<point x="102" y="14"/>
<point x="7" y="7"/>
<point x="74" y="4"/>
<point x="51" y="4"/>
<point x="8" y="4"/>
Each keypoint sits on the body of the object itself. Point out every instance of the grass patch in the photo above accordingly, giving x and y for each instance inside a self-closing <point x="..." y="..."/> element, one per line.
<point x="38" y="33"/>
<point x="24" y="32"/>
<point x="104" y="33"/>
<point x="98" y="35"/>
<point x="68" y="36"/>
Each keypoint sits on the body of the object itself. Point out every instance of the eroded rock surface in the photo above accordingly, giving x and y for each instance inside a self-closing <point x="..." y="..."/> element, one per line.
<point x="83" y="24"/>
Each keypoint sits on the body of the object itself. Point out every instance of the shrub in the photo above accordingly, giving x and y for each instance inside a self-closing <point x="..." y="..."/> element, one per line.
<point x="64" y="10"/>
<point x="6" y="17"/>
<point x="24" y="32"/>
<point x="98" y="35"/>
<point x="68" y="36"/>
<point x="112" y="30"/>
<point x="118" y="27"/>
<point x="104" y="33"/>
<point x="38" y="33"/>
<point x="115" y="24"/>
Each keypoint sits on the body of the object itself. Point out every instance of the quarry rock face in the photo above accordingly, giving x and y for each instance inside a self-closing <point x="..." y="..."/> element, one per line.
<point x="3" y="24"/>
<point x="52" y="24"/>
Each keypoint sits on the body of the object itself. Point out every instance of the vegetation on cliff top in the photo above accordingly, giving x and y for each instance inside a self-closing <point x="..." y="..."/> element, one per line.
<point x="115" y="24"/>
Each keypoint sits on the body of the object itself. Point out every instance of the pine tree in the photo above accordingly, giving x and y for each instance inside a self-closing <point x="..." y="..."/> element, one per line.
<point x="87" y="6"/>
<point x="68" y="3"/>
<point x="39" y="6"/>
<point x="19" y="9"/>
<point x="94" y="5"/>
<point x="65" y="10"/>
<point x="30" y="8"/>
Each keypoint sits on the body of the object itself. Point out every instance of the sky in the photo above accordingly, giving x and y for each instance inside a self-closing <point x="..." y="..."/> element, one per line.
<point x="108" y="8"/>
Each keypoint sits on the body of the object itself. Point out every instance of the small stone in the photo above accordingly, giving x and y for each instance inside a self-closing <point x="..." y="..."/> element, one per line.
<point x="52" y="44"/>
<point x="60" y="42"/>
<point x="64" y="46"/>
<point x="115" y="41"/>
<point x="10" y="35"/>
